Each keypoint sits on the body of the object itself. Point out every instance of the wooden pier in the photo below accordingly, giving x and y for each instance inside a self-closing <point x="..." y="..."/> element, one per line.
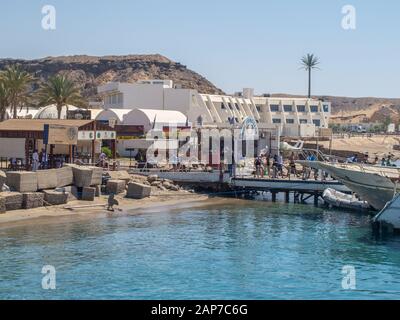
<point x="302" y="189"/>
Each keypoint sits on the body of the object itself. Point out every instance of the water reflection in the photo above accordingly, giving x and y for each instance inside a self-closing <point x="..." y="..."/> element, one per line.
<point x="241" y="249"/>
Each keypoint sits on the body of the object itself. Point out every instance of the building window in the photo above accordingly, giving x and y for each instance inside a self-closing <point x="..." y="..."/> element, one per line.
<point x="289" y="121"/>
<point x="230" y="106"/>
<point x="119" y="99"/>
<point x="317" y="123"/>
<point x="288" y="108"/>
<point x="258" y="107"/>
<point x="326" y="107"/>
<point x="301" y="108"/>
<point x="237" y="106"/>
<point x="223" y="106"/>
<point x="314" y="108"/>
<point x="276" y="121"/>
<point x="114" y="99"/>
<point x="303" y="121"/>
<point x="274" y="107"/>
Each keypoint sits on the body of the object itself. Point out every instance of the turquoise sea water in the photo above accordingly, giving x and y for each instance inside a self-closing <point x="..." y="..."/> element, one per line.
<point x="239" y="250"/>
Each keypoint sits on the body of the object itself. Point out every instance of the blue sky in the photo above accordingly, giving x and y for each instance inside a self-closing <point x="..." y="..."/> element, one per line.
<point x="234" y="44"/>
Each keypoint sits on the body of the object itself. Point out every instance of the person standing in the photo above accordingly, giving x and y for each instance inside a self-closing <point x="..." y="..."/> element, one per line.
<point x="257" y="164"/>
<point x="292" y="165"/>
<point x="35" y="160"/>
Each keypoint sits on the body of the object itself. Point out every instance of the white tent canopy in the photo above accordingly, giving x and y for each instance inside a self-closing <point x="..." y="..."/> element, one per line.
<point x="50" y="112"/>
<point x="144" y="117"/>
<point x="157" y="118"/>
<point x="116" y="114"/>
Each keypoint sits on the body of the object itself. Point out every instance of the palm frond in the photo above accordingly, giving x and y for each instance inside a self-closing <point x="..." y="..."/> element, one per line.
<point x="60" y="91"/>
<point x="310" y="61"/>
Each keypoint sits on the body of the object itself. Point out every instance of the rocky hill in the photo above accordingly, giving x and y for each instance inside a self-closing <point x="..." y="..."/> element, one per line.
<point x="90" y="71"/>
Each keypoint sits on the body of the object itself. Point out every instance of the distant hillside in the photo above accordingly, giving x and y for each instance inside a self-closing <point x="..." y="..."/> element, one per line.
<point x="347" y="109"/>
<point x="90" y="71"/>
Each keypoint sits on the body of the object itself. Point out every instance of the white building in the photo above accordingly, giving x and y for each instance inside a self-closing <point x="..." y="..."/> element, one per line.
<point x="132" y="125"/>
<point x="292" y="116"/>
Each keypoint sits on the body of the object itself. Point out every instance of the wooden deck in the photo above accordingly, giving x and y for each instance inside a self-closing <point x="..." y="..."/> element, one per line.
<point x="302" y="190"/>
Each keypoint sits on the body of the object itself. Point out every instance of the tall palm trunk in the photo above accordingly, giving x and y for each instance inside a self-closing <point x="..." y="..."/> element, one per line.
<point x="309" y="83"/>
<point x="59" y="109"/>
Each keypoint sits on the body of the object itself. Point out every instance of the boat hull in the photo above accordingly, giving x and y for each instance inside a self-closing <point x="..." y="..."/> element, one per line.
<point x="390" y="214"/>
<point x="374" y="188"/>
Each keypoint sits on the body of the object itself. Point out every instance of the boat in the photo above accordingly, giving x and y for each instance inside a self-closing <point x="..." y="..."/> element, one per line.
<point x="390" y="214"/>
<point x="374" y="184"/>
<point x="342" y="200"/>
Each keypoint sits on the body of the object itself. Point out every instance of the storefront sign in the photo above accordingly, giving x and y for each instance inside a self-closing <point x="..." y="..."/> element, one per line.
<point x="60" y="134"/>
<point x="100" y="135"/>
<point x="105" y="135"/>
<point x="86" y="135"/>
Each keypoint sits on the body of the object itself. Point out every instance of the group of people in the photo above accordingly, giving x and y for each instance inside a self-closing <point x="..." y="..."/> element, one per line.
<point x="40" y="160"/>
<point x="265" y="166"/>
<point x="384" y="162"/>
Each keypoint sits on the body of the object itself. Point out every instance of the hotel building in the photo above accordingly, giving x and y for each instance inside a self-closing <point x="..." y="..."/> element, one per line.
<point x="295" y="117"/>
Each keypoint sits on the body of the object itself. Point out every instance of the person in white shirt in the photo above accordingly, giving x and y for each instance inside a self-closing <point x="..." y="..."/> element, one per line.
<point x="35" y="160"/>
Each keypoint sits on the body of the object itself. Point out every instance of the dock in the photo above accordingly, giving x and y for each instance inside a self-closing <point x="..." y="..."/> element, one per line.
<point x="302" y="190"/>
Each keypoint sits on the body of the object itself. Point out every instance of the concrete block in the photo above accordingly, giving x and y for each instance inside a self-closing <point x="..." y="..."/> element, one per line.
<point x="46" y="179"/>
<point x="65" y="177"/>
<point x="116" y="186"/>
<point x="2" y="205"/>
<point x="88" y="193"/>
<point x="32" y="200"/>
<point x="98" y="190"/>
<point x="22" y="181"/>
<point x="86" y="176"/>
<point x="151" y="178"/>
<point x="3" y="178"/>
<point x="138" y="191"/>
<point x="120" y="175"/>
<point x="71" y="190"/>
<point x="13" y="200"/>
<point x="52" y="197"/>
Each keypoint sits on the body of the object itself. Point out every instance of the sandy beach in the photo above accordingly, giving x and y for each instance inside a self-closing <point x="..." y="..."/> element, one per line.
<point x="90" y="210"/>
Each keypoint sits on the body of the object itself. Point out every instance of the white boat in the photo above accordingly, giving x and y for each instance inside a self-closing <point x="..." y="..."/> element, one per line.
<point x="390" y="214"/>
<point x="376" y="185"/>
<point x="344" y="201"/>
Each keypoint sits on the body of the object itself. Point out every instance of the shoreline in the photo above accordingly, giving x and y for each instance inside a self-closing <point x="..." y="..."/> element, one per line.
<point x="58" y="214"/>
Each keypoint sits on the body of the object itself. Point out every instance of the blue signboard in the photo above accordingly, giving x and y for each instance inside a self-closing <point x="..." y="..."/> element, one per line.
<point x="46" y="134"/>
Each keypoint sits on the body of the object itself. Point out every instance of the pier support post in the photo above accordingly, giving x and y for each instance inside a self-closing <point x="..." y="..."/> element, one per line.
<point x="316" y="199"/>
<point x="287" y="194"/>
<point x="273" y="196"/>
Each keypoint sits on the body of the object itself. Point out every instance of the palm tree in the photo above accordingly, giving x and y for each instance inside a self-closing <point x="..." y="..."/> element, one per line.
<point x="309" y="62"/>
<point x="3" y="99"/>
<point x="16" y="82"/>
<point x="61" y="91"/>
